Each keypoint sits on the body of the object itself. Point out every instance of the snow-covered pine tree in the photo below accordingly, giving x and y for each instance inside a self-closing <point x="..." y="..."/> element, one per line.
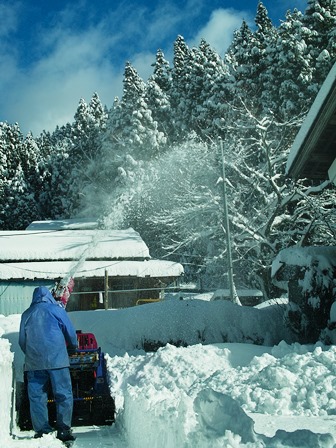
<point x="18" y="205"/>
<point x="132" y="129"/>
<point x="287" y="82"/>
<point x="158" y="103"/>
<point x="215" y="96"/>
<point x="180" y="76"/>
<point x="98" y="112"/>
<point x="248" y="56"/>
<point x="320" y="23"/>
<point x="195" y="78"/>
<point x="82" y="140"/>
<point x="65" y="168"/>
<point x="61" y="183"/>
<point x="21" y="207"/>
<point x="158" y="90"/>
<point x="238" y="55"/>
<point x="89" y="123"/>
<point x="162" y="72"/>
<point x="264" y="42"/>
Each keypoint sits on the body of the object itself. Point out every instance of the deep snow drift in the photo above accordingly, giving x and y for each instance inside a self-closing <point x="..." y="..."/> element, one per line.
<point x="227" y="393"/>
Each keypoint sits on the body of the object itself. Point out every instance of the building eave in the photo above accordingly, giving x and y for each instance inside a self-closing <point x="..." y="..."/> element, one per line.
<point x="314" y="149"/>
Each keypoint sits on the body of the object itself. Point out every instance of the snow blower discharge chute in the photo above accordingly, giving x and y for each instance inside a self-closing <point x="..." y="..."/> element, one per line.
<point x="93" y="404"/>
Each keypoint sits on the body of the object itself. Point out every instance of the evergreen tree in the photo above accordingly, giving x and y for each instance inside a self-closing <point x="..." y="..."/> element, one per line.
<point x="158" y="89"/>
<point x="30" y="156"/>
<point x="238" y="55"/>
<point x="60" y="197"/>
<point x="181" y="54"/>
<point x="180" y="76"/>
<point x="97" y="111"/>
<point x="248" y="57"/>
<point x="162" y="73"/>
<point x="45" y="141"/>
<point x="288" y="80"/>
<point x="89" y="123"/>
<point x="18" y="206"/>
<point x="158" y="103"/>
<point x="131" y="128"/>
<point x="320" y="23"/>
<point x="215" y="96"/>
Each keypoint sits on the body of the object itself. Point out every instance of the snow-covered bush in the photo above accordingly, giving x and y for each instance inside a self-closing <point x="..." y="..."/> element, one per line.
<point x="311" y="276"/>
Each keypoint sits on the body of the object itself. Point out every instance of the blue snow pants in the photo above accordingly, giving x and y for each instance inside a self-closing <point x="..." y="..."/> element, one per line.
<point x="38" y="398"/>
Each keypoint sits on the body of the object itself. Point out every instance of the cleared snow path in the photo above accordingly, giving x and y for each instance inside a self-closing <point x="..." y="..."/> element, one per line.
<point x="93" y="436"/>
<point x="86" y="437"/>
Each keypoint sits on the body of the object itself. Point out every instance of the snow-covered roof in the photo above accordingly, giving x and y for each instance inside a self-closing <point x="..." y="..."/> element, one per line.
<point x="64" y="224"/>
<point x="60" y="269"/>
<point x="53" y="245"/>
<point x="309" y="138"/>
<point x="303" y="256"/>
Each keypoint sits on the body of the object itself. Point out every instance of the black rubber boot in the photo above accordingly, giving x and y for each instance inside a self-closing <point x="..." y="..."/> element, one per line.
<point x="40" y="434"/>
<point x="65" y="435"/>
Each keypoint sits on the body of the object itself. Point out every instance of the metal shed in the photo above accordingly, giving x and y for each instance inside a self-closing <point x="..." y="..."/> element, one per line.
<point x="31" y="258"/>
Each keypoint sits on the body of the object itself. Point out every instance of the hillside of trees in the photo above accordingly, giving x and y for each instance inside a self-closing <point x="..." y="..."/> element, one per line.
<point x="154" y="160"/>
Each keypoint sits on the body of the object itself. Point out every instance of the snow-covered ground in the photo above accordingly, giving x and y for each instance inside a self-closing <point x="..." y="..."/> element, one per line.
<point x="219" y="391"/>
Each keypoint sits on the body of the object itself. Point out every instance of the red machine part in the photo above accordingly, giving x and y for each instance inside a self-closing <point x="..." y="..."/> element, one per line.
<point x="86" y="341"/>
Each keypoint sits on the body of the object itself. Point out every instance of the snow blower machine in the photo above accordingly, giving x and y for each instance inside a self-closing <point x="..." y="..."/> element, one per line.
<point x="93" y="404"/>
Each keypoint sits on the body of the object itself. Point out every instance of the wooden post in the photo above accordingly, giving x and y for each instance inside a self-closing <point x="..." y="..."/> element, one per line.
<point x="106" y="290"/>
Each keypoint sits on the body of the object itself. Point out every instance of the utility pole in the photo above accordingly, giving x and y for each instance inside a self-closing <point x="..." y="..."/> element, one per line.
<point x="233" y="293"/>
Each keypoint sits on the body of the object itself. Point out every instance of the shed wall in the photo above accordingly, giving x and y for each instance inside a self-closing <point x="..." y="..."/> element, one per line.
<point x="16" y="296"/>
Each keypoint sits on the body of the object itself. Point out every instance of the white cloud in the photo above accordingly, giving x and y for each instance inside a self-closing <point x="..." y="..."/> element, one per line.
<point x="46" y="99"/>
<point x="142" y="62"/>
<point x="80" y="51"/>
<point x="218" y="32"/>
<point x="8" y="53"/>
<point x="72" y="65"/>
<point x="8" y="18"/>
<point x="168" y="18"/>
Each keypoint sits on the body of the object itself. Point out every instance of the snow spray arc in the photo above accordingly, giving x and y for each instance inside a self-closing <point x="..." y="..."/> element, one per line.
<point x="63" y="288"/>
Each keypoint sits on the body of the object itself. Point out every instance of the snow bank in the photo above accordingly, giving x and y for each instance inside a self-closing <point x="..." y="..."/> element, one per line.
<point x="199" y="396"/>
<point x="6" y="361"/>
<point x="182" y="322"/>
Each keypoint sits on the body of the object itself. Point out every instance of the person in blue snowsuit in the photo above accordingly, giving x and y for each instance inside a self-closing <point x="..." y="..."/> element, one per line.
<point x="46" y="335"/>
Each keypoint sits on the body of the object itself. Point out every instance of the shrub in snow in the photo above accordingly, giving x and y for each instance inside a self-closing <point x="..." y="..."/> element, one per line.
<point x="311" y="293"/>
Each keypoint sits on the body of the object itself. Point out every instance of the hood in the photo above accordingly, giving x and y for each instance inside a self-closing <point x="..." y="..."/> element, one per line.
<point x="42" y="294"/>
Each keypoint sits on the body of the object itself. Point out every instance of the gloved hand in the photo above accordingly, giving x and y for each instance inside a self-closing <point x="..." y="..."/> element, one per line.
<point x="72" y="350"/>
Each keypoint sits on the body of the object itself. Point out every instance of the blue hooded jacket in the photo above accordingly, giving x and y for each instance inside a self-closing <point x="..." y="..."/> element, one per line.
<point x="45" y="329"/>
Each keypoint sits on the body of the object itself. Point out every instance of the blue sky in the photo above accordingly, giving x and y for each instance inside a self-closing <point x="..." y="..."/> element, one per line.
<point x="52" y="53"/>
